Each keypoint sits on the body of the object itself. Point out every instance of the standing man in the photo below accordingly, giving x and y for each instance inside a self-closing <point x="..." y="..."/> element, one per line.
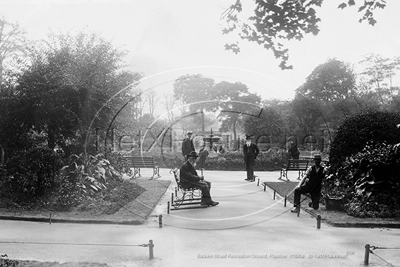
<point x="250" y="152"/>
<point x="294" y="151"/>
<point x="311" y="183"/>
<point x="189" y="178"/>
<point x="187" y="144"/>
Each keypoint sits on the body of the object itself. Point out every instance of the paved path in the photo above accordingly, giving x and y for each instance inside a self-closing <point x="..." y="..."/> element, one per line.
<point x="248" y="228"/>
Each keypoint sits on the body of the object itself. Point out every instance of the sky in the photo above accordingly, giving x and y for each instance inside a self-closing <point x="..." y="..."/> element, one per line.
<point x="170" y="38"/>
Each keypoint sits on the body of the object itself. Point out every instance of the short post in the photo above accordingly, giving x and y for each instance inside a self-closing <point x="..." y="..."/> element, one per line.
<point x="265" y="186"/>
<point x="298" y="210"/>
<point x="258" y="182"/>
<point x="366" y="256"/>
<point x="50" y="218"/>
<point x="274" y="194"/>
<point x="319" y="222"/>
<point x="284" y="202"/>
<point x="176" y="191"/>
<point x="151" y="246"/>
<point x="168" y="207"/>
<point x="160" y="221"/>
<point x="172" y="198"/>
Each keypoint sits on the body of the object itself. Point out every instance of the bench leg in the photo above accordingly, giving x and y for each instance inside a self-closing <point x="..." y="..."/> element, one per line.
<point x="136" y="173"/>
<point x="284" y="174"/>
<point x="156" y="172"/>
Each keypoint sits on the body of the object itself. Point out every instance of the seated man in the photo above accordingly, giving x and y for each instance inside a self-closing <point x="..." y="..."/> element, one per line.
<point x="189" y="178"/>
<point x="311" y="183"/>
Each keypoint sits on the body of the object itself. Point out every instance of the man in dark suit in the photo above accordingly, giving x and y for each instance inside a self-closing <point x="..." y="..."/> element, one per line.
<point x="312" y="184"/>
<point x="189" y="178"/>
<point x="250" y="152"/>
<point x="187" y="144"/>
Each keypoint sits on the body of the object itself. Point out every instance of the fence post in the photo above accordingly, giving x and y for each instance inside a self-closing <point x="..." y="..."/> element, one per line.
<point x="258" y="182"/>
<point x="366" y="256"/>
<point x="168" y="207"/>
<point x="151" y="253"/>
<point x="284" y="202"/>
<point x="160" y="221"/>
<point x="318" y="221"/>
<point x="274" y="194"/>
<point x="172" y="198"/>
<point x="50" y="218"/>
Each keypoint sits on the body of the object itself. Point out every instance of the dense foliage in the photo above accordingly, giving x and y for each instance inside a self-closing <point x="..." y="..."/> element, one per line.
<point x="30" y="174"/>
<point x="357" y="131"/>
<point x="273" y="22"/>
<point x="370" y="180"/>
<point x="87" y="182"/>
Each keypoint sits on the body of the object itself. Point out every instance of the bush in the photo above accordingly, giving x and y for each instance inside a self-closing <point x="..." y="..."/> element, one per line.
<point x="357" y="131"/>
<point x="84" y="177"/>
<point x="374" y="179"/>
<point x="30" y="174"/>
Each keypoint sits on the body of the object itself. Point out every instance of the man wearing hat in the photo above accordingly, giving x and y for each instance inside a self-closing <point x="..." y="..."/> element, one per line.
<point x="187" y="144"/>
<point x="311" y="183"/>
<point x="189" y="178"/>
<point x="250" y="152"/>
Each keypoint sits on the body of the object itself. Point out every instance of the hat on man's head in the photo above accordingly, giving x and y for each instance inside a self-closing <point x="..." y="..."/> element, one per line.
<point x="192" y="154"/>
<point x="317" y="157"/>
<point x="248" y="137"/>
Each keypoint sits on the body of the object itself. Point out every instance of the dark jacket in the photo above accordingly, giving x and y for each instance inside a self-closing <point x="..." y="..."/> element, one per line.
<point x="188" y="175"/>
<point x="187" y="146"/>
<point x="315" y="178"/>
<point x="250" y="152"/>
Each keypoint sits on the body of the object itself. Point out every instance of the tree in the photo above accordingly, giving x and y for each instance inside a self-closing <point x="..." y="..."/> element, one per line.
<point x="330" y="81"/>
<point x="275" y="21"/>
<point x="169" y="105"/>
<point x="12" y="42"/>
<point x="268" y="123"/>
<point x="71" y="88"/>
<point x="153" y="99"/>
<point x="194" y="90"/>
<point x="236" y="103"/>
<point x="378" y="75"/>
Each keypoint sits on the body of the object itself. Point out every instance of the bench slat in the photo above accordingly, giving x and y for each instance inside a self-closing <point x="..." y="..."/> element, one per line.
<point x="300" y="165"/>
<point x="138" y="162"/>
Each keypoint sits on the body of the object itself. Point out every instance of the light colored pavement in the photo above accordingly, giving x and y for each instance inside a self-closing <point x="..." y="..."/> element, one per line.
<point x="247" y="228"/>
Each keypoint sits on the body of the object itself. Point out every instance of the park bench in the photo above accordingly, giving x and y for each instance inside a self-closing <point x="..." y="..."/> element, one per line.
<point x="191" y="197"/>
<point x="300" y="165"/>
<point x="138" y="162"/>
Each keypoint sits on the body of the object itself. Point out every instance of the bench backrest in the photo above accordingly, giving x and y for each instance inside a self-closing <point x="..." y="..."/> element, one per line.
<point x="298" y="163"/>
<point x="143" y="162"/>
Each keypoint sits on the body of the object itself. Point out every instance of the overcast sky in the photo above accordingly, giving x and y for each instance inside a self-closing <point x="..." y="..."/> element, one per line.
<point x="170" y="38"/>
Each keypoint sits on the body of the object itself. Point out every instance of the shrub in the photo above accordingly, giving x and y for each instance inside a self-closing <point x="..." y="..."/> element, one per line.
<point x="29" y="174"/>
<point x="374" y="179"/>
<point x="356" y="131"/>
<point x="84" y="177"/>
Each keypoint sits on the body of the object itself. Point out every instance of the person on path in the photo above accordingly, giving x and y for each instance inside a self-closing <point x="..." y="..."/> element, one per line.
<point x="311" y="183"/>
<point x="189" y="179"/>
<point x="201" y="161"/>
<point x="294" y="151"/>
<point x="250" y="152"/>
<point x="187" y="144"/>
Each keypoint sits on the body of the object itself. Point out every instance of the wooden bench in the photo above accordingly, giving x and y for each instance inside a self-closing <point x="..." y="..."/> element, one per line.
<point x="138" y="162"/>
<point x="300" y="165"/>
<point x="190" y="196"/>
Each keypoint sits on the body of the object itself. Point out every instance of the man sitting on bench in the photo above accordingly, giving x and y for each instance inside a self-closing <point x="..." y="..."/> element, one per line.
<point x="311" y="183"/>
<point x="189" y="179"/>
